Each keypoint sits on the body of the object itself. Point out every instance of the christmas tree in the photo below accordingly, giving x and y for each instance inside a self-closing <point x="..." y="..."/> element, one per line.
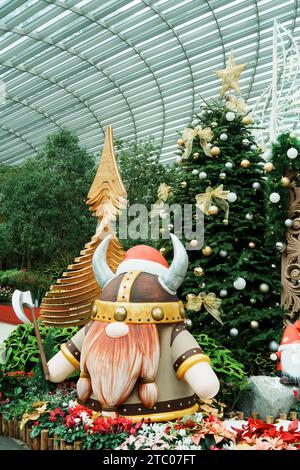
<point x="232" y="288"/>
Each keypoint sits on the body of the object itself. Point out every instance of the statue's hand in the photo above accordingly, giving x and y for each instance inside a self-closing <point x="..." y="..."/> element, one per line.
<point x="202" y="380"/>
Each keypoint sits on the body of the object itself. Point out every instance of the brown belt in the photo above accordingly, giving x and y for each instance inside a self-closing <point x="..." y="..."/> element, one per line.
<point x="132" y="409"/>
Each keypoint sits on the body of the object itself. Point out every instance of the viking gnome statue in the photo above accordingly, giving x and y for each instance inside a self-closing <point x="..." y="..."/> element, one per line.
<point x="136" y="358"/>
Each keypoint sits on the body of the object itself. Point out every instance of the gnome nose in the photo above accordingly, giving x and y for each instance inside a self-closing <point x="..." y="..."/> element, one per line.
<point x="116" y="329"/>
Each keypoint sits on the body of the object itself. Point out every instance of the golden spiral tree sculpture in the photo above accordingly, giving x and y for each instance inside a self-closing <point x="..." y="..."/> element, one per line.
<point x="70" y="300"/>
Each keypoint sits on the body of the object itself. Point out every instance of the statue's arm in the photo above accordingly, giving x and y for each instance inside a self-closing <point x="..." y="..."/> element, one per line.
<point x="192" y="365"/>
<point x="67" y="360"/>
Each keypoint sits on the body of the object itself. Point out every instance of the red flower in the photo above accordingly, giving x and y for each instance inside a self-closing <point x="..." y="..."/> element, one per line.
<point x="70" y="423"/>
<point x="296" y="395"/>
<point x="36" y="423"/>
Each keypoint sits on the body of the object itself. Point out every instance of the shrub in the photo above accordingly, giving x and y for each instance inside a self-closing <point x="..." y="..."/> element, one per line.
<point x="22" y="352"/>
<point x="23" y="280"/>
<point x="230" y="372"/>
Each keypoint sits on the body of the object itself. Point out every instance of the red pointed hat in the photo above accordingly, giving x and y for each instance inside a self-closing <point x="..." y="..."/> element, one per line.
<point x="143" y="258"/>
<point x="290" y="335"/>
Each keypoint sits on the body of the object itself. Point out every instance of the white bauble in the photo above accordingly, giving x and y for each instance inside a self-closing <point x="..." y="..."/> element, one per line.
<point x="264" y="287"/>
<point x="273" y="346"/>
<point x="288" y="222"/>
<point x="253" y="147"/>
<point x="195" y="172"/>
<point x="249" y="216"/>
<point x="280" y="246"/>
<point x="223" y="253"/>
<point x="228" y="165"/>
<point x="223" y="293"/>
<point x="194" y="243"/>
<point x="195" y="122"/>
<point x="202" y="175"/>
<point x="223" y="137"/>
<point x="188" y="322"/>
<point x="170" y="226"/>
<point x="239" y="283"/>
<point x="234" y="332"/>
<point x="222" y="176"/>
<point x="231" y="197"/>
<point x="274" y="197"/>
<point x="292" y="153"/>
<point x="273" y="357"/>
<point x="245" y="142"/>
<point x="256" y="185"/>
<point x="230" y="116"/>
<point x="254" y="324"/>
<point x="267" y="155"/>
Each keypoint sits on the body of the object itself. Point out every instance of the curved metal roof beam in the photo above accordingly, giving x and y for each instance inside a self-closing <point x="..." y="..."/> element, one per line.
<point x="20" y="136"/>
<point x="164" y="19"/>
<point x="219" y="30"/>
<point x="33" y="108"/>
<point x="257" y="49"/>
<point x="45" y="77"/>
<point x="103" y="25"/>
<point x="36" y="37"/>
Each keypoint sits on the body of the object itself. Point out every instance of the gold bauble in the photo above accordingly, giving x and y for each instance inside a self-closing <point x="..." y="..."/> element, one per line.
<point x="215" y="151"/>
<point x="120" y="314"/>
<point x="213" y="210"/>
<point x="245" y="163"/>
<point x="252" y="245"/>
<point x="95" y="310"/>
<point x="269" y="167"/>
<point x="285" y="181"/>
<point x="180" y="142"/>
<point x="247" y="120"/>
<point x="196" y="155"/>
<point x="157" y="314"/>
<point x="207" y="251"/>
<point x="198" y="271"/>
<point x="183" y="184"/>
<point x="162" y="250"/>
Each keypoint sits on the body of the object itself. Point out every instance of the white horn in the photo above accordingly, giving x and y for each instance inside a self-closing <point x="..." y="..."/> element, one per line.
<point x="177" y="271"/>
<point x="102" y="271"/>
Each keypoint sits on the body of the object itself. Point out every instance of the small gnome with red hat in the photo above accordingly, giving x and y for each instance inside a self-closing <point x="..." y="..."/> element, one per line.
<point x="288" y="355"/>
<point x="135" y="357"/>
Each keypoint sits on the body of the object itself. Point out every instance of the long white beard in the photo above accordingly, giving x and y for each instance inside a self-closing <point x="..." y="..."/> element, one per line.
<point x="290" y="361"/>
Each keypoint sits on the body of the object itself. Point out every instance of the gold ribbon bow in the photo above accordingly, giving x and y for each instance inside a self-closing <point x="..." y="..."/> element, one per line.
<point x="164" y="192"/>
<point x="218" y="195"/>
<point x="205" y="135"/>
<point x="210" y="302"/>
<point x="236" y="104"/>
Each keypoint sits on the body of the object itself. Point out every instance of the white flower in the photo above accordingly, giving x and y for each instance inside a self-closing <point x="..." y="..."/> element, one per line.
<point x="72" y="404"/>
<point x="182" y="432"/>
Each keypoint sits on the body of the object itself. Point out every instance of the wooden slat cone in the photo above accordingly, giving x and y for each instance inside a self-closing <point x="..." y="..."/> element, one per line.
<point x="70" y="300"/>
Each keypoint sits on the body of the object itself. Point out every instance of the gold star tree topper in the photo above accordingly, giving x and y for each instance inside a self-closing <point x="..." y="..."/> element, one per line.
<point x="230" y="75"/>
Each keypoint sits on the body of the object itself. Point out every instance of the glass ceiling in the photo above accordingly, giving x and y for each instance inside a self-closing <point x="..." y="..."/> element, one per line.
<point x="138" y="65"/>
